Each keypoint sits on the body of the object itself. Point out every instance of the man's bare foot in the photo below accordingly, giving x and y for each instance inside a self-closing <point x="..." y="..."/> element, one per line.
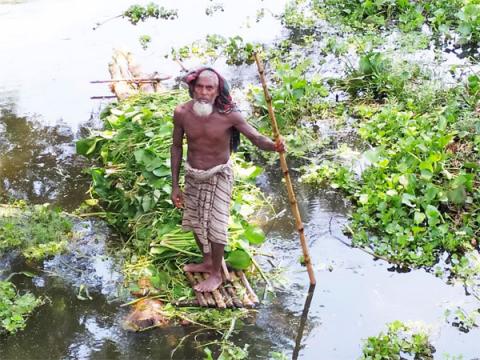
<point x="202" y="267"/>
<point x="212" y="283"/>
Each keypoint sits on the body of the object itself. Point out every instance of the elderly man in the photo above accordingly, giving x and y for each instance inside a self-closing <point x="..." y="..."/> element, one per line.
<point x="211" y="125"/>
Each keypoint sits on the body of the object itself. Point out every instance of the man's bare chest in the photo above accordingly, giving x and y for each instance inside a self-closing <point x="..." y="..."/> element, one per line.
<point x="214" y="127"/>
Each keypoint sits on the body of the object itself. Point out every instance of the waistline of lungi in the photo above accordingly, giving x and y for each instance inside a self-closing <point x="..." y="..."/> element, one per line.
<point x="201" y="175"/>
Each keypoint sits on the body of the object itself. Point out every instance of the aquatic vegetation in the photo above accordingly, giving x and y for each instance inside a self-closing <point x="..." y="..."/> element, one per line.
<point x="328" y="173"/>
<point x="278" y="355"/>
<point x="15" y="308"/>
<point x="228" y="351"/>
<point x="300" y="17"/>
<point x="145" y="41"/>
<point x="213" y="8"/>
<point x="399" y="340"/>
<point x="377" y="77"/>
<point x="38" y="231"/>
<point x="456" y="19"/>
<point x="418" y="199"/>
<point x="469" y="23"/>
<point x="377" y="13"/>
<point x="294" y="97"/>
<point x="137" y="13"/>
<point x="462" y="319"/>
<point x="234" y="49"/>
<point x="336" y="46"/>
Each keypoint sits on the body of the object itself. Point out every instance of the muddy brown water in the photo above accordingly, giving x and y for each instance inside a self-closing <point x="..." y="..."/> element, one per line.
<point x="45" y="67"/>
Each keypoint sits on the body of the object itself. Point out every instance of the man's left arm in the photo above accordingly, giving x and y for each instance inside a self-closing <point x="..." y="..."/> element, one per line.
<point x="259" y="140"/>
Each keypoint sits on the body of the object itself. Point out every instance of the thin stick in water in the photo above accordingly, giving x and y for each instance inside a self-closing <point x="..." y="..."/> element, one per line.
<point x="251" y="293"/>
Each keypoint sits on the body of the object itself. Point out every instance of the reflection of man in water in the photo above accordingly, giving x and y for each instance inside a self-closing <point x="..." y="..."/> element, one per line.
<point x="211" y="125"/>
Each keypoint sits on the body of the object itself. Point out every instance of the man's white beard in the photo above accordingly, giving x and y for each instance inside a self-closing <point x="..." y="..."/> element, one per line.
<point x="202" y="108"/>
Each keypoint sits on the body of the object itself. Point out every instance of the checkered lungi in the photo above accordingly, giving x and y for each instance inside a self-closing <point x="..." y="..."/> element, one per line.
<point x="207" y="199"/>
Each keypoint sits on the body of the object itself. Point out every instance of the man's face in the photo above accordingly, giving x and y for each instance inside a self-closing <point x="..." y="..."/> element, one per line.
<point x="206" y="89"/>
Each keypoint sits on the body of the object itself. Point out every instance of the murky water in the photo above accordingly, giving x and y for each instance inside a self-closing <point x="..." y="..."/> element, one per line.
<point x="45" y="69"/>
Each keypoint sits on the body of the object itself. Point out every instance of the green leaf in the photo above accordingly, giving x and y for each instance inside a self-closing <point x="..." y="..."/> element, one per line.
<point x="155" y="250"/>
<point x="457" y="195"/>
<point x="430" y="193"/>
<point x="86" y="147"/>
<point x="239" y="259"/>
<point x="254" y="235"/>
<point x="148" y="158"/>
<point x="407" y="199"/>
<point x="160" y="280"/>
<point x="432" y="214"/>
<point x="161" y="171"/>
<point x="91" y="202"/>
<point x="147" y="203"/>
<point x="372" y="155"/>
<point x="208" y="354"/>
<point x="363" y="199"/>
<point x="419" y="217"/>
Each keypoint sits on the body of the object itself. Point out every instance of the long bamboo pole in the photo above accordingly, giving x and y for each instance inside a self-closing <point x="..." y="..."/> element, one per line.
<point x="283" y="163"/>
<point x="139" y="80"/>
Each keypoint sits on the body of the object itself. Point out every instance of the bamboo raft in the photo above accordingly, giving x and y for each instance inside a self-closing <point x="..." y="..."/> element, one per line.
<point x="234" y="292"/>
<point x="127" y="79"/>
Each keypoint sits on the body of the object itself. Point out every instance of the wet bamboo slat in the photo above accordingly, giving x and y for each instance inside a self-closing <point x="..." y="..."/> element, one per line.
<point x="241" y="291"/>
<point x="226" y="297"/>
<point x="208" y="295"/>
<point x="216" y="296"/>
<point x="226" y="283"/>
<point x="236" y="301"/>
<point x="251" y="293"/>
<point x="225" y="273"/>
<point x="187" y="303"/>
<point x="235" y="291"/>
<point x="200" y="298"/>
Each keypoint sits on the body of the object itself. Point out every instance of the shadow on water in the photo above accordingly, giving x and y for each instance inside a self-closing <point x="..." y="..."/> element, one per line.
<point x="38" y="163"/>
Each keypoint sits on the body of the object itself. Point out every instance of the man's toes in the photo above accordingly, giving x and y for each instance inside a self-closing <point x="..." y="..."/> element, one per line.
<point x="199" y="287"/>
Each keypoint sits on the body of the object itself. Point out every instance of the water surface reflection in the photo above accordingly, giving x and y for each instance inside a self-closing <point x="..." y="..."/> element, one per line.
<point x="38" y="163"/>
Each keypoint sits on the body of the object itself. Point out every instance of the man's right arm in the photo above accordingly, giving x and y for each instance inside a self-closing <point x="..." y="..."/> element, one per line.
<point x="176" y="153"/>
<point x="254" y="136"/>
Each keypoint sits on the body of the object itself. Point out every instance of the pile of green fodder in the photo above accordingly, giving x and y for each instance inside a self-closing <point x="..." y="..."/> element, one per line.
<point x="131" y="187"/>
